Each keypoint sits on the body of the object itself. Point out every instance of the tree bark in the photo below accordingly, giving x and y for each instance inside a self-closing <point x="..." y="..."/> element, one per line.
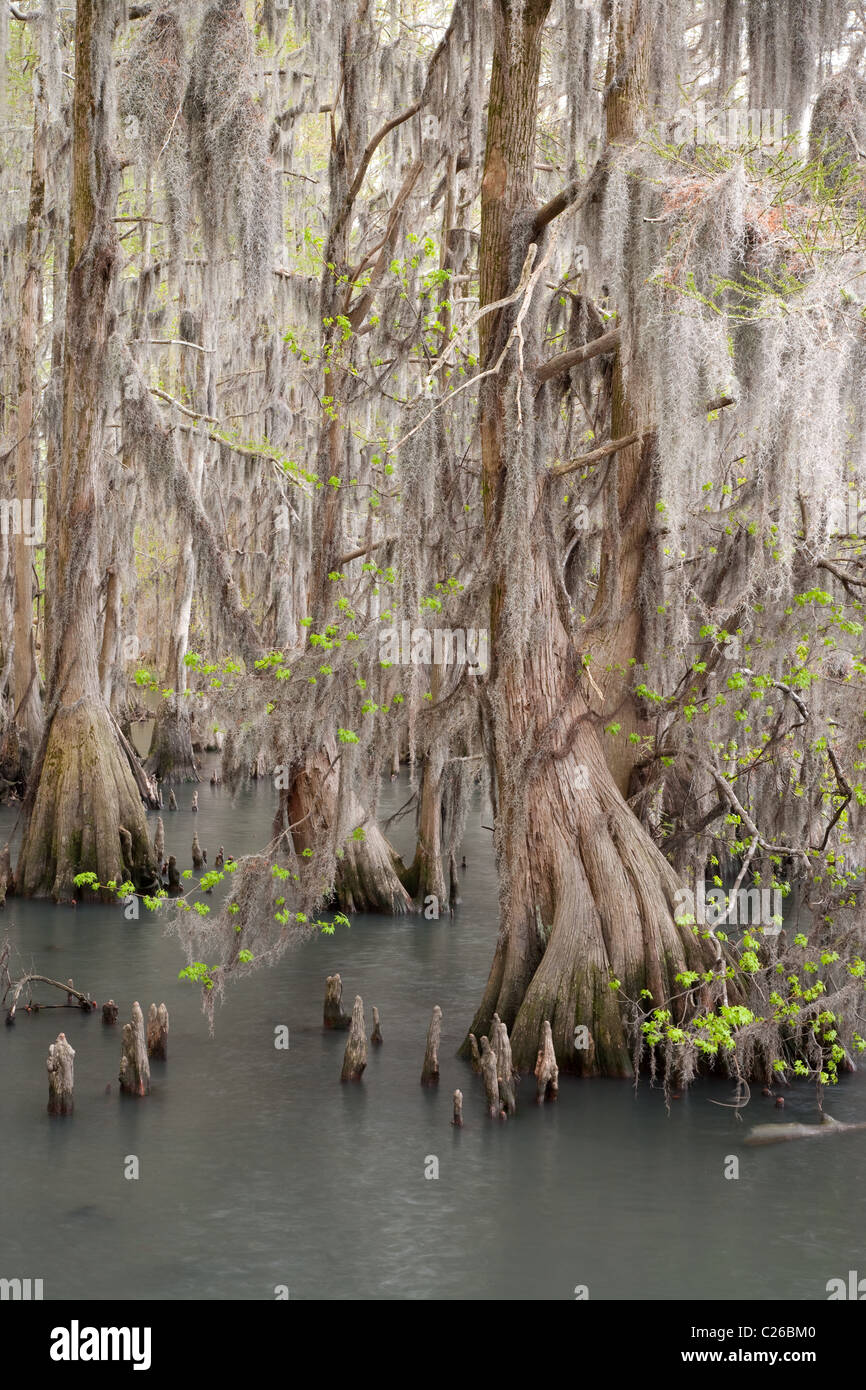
<point x="585" y="895"/>
<point x="83" y="788"/>
<point x="27" y="696"/>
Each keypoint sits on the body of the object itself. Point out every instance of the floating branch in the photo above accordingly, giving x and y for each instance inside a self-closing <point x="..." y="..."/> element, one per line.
<point x="775" y="1134"/>
<point x="16" y="987"/>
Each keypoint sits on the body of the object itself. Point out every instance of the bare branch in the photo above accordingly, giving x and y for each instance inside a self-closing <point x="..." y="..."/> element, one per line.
<point x="564" y="361"/>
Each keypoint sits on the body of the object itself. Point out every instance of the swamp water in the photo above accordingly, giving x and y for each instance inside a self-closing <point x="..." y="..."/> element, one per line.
<point x="259" y="1169"/>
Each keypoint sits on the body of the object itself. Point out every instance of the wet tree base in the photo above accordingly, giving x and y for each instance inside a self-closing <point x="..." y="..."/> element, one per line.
<point x="87" y="815"/>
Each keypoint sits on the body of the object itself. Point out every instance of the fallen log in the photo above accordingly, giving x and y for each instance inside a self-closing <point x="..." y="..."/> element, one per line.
<point x="84" y="1001"/>
<point x="60" y="1076"/>
<point x="157" y="1032"/>
<point x="776" y="1134"/>
<point x="134" y="1075"/>
<point x="430" y="1069"/>
<point x="355" y="1057"/>
<point x="333" y="1015"/>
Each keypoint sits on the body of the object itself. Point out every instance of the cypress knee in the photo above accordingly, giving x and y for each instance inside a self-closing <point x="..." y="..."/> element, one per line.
<point x="355" y="1058"/>
<point x="376" y="1035"/>
<point x="333" y="1015"/>
<point x="157" y="1032"/>
<point x="490" y="1078"/>
<point x="504" y="1066"/>
<point x="134" y="1075"/>
<point x="546" y="1070"/>
<point x="60" y="1076"/>
<point x="430" y="1070"/>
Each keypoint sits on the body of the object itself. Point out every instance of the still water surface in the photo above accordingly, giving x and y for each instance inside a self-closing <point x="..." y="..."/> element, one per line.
<point x="258" y="1168"/>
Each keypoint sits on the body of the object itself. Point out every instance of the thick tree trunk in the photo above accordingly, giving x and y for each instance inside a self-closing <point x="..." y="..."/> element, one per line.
<point x="83" y="788"/>
<point x="86" y="792"/>
<point x="585" y="894"/>
<point x="367" y="878"/>
<point x="27" y="696"/>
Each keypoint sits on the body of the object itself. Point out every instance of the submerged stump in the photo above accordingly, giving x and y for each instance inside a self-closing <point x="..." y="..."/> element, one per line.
<point x="134" y="1075"/>
<point x="60" y="1076"/>
<point x="546" y="1070"/>
<point x="430" y="1070"/>
<point x="376" y="1035"/>
<point x="157" y="1032"/>
<point x="333" y="1015"/>
<point x="355" y="1057"/>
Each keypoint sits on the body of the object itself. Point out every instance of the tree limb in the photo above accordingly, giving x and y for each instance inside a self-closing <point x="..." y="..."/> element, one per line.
<point x="564" y="361"/>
